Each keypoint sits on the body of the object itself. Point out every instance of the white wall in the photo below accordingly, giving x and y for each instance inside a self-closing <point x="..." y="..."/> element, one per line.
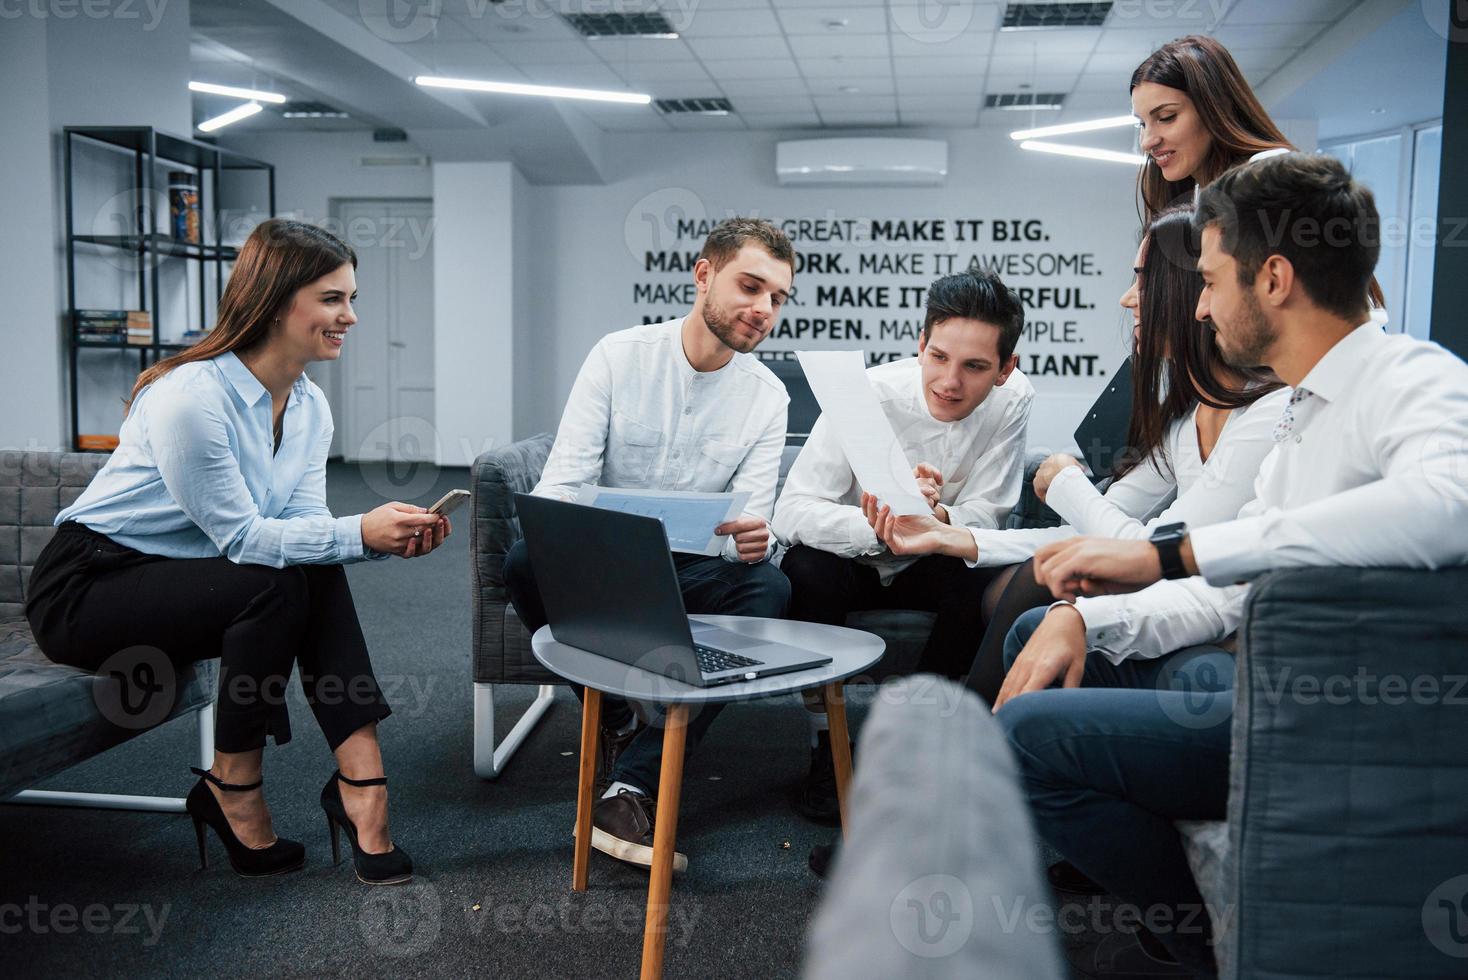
<point x="65" y="65"/>
<point x="474" y="262"/>
<point x="593" y="244"/>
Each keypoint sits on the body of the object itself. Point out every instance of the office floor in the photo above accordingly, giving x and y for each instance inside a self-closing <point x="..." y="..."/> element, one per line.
<point x="119" y="893"/>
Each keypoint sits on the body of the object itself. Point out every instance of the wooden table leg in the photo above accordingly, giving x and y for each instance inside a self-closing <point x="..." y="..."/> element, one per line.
<point x="586" y="786"/>
<point x="835" y="698"/>
<point x="670" y="788"/>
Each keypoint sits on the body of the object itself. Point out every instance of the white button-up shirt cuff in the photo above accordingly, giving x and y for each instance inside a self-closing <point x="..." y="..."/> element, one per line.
<point x="349" y="545"/>
<point x="1069" y="491"/>
<point x="1232" y="552"/>
<point x="863" y="539"/>
<point x="1108" y="626"/>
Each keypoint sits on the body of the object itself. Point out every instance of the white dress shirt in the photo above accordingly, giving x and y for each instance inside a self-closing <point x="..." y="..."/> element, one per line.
<point x="1186" y="488"/>
<point x="981" y="458"/>
<point x="640" y="417"/>
<point x="1373" y="472"/>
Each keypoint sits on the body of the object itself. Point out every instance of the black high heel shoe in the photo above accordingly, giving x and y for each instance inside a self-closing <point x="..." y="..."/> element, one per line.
<point x="392" y="867"/>
<point x="248" y="862"/>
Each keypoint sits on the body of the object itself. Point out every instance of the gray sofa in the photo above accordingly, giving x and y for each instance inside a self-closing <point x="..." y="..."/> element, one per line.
<point x="501" y="644"/>
<point x="53" y="717"/>
<point x="1345" y="849"/>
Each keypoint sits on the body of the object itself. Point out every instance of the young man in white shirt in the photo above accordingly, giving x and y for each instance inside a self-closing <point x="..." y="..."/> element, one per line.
<point x="680" y="405"/>
<point x="1366" y="471"/>
<point x="959" y="410"/>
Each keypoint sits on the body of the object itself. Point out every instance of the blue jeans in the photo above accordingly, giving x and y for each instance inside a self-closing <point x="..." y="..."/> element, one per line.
<point x="1110" y="765"/>
<point x="709" y="585"/>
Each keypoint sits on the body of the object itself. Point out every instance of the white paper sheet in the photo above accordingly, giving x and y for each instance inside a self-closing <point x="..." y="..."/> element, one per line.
<point x="688" y="518"/>
<point x="838" y="379"/>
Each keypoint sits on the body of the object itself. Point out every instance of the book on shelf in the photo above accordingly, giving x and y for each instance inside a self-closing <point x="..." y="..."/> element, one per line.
<point x="132" y="327"/>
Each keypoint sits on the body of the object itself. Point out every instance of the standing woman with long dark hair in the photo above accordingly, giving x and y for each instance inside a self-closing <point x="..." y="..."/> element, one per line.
<point x="1199" y="117"/>
<point x="206" y="534"/>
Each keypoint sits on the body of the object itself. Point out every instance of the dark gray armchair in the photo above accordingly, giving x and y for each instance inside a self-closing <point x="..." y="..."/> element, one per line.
<point x="50" y="715"/>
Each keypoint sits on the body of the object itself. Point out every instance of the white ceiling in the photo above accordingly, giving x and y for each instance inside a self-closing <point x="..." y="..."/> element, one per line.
<point x="783" y="64"/>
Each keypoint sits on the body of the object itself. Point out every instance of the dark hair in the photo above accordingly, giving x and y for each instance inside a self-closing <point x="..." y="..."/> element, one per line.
<point x="1176" y="363"/>
<point x="278" y="258"/>
<point x="976" y="296"/>
<point x="732" y="234"/>
<point x="1306" y="208"/>
<point x="1227" y="106"/>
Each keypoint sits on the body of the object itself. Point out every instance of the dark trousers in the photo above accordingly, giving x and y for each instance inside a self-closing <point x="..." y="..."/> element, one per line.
<point x="709" y="585"/>
<point x="1110" y="765"/>
<point x="825" y="587"/>
<point x="1020" y="594"/>
<point x="94" y="603"/>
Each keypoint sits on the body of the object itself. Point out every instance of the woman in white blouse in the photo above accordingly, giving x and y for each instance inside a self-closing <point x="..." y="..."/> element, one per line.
<point x="1198" y="432"/>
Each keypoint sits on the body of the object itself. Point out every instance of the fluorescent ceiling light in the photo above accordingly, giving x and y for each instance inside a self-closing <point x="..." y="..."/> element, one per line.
<point x="1085" y="152"/>
<point x="232" y="116"/>
<point x="1110" y="122"/>
<point x="518" y="88"/>
<point x="1028" y="107"/>
<point x="238" y="93"/>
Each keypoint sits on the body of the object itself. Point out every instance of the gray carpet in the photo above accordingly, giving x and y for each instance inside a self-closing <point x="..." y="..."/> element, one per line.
<point x="118" y="893"/>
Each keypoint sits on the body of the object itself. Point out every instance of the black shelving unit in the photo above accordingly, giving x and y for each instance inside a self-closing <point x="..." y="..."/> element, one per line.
<point x="141" y="151"/>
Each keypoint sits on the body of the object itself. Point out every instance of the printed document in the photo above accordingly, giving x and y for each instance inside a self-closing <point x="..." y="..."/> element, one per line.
<point x="688" y="518"/>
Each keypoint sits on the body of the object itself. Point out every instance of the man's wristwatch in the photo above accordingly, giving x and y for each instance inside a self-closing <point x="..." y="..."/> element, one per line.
<point x="1168" y="540"/>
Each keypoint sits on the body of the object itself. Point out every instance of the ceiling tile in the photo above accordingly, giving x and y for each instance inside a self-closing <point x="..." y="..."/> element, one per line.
<point x="760" y="87"/>
<point x="1119" y="63"/>
<point x="597" y="76"/>
<point x="702" y="22"/>
<point x="827" y="3"/>
<point x="1048" y="82"/>
<point x="448" y="57"/>
<point x="756" y="46"/>
<point x="1274" y="12"/>
<point x="854" y="46"/>
<point x="939" y="84"/>
<point x="520" y="21"/>
<point x="938" y="20"/>
<point x="1050" y="44"/>
<point x="545" y="52"/>
<point x="969" y="102"/>
<point x="818" y="20"/>
<point x="936" y="67"/>
<point x="1256" y="62"/>
<point x="663" y="71"/>
<point x="1268" y="35"/>
<point x="631" y="50"/>
<point x="844" y="67"/>
<point x="1025" y="64"/>
<point x="940" y="120"/>
<point x="865" y="120"/>
<point x="697" y="122"/>
<point x="788" y="121"/>
<point x="868" y="84"/>
<point x="854" y="103"/>
<point x="1135" y="42"/>
<point x="767" y="105"/>
<point x="1175" y="18"/>
<point x="962" y="46"/>
<point x="779" y="70"/>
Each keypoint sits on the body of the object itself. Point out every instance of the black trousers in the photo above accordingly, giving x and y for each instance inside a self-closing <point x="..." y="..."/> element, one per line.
<point x="1020" y="595"/>
<point x="825" y="587"/>
<point x="92" y="600"/>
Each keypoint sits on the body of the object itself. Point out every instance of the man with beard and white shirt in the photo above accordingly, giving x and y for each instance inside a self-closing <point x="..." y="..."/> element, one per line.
<point x="681" y="405"/>
<point x="959" y="411"/>
<point x="1366" y="472"/>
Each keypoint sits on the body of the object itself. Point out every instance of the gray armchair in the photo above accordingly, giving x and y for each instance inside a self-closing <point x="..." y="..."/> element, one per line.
<point x="50" y="715"/>
<point x="1345" y="849"/>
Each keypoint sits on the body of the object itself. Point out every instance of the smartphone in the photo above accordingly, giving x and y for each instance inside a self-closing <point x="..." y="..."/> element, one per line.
<point x="449" y="502"/>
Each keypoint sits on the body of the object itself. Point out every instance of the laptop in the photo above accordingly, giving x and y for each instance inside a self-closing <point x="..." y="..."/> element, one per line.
<point x="609" y="587"/>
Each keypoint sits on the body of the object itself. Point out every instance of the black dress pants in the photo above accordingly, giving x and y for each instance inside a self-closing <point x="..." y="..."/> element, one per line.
<point x="91" y="598"/>
<point x="825" y="587"/>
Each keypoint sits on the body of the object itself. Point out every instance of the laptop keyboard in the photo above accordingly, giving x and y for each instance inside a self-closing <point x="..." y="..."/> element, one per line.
<point x="712" y="661"/>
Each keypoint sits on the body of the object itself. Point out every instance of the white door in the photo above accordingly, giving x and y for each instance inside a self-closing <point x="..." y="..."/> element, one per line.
<point x="386" y="367"/>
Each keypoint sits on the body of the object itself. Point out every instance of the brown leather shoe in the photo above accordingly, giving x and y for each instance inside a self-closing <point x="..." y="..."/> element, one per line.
<point x="622" y="827"/>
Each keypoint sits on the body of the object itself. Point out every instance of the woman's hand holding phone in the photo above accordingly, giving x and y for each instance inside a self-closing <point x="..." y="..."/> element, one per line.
<point x="403" y="529"/>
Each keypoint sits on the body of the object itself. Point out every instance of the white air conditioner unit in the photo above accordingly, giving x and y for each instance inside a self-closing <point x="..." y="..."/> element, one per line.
<point x="875" y="162"/>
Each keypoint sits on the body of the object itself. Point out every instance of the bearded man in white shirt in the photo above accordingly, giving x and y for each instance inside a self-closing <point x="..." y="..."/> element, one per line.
<point x="959" y="410"/>
<point x="680" y="405"/>
<point x="1366" y="472"/>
